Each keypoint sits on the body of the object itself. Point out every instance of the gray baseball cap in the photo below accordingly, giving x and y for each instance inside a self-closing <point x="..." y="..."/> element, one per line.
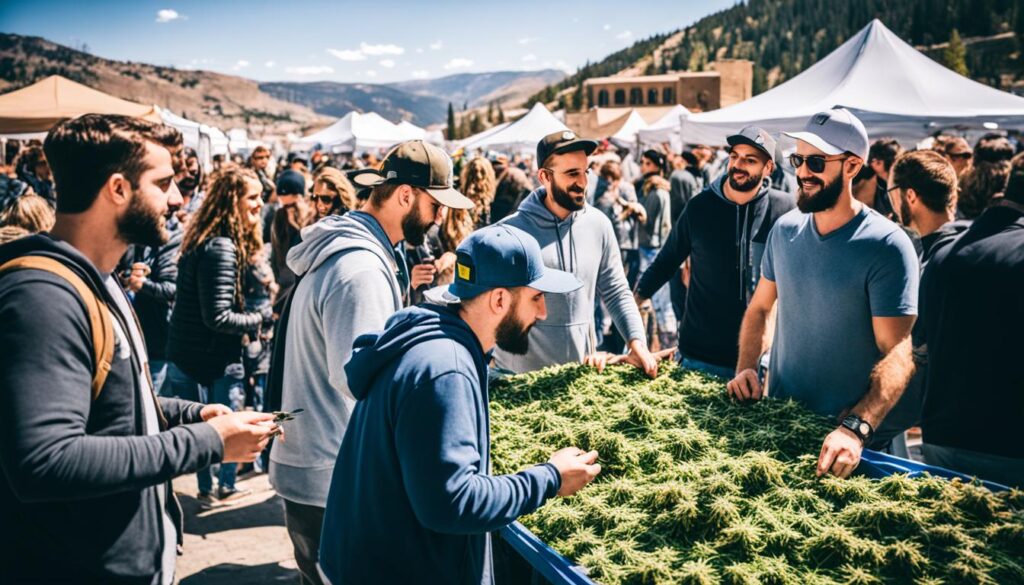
<point x="835" y="131"/>
<point x="756" y="137"/>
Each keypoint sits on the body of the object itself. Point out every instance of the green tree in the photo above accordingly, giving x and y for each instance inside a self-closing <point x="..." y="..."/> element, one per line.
<point x="451" y="134"/>
<point x="955" y="55"/>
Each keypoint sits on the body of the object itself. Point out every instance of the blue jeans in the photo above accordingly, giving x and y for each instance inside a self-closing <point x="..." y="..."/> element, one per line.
<point x="158" y="371"/>
<point x="228" y="390"/>
<point x="699" y="366"/>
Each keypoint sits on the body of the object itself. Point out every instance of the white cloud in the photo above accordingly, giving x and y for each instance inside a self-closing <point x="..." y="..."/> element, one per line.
<point x="530" y="57"/>
<point x="269" y="64"/>
<point x="419" y="50"/>
<point x="371" y="73"/>
<point x="528" y="40"/>
<point x="168" y="15"/>
<point x="310" y="70"/>
<point x="458" y="63"/>
<point x="347" y="54"/>
<point x="420" y="74"/>
<point x="624" y="35"/>
<point x="436" y="46"/>
<point x="387" y="63"/>
<point x="607" y="27"/>
<point x="241" y="64"/>
<point x="377" y="50"/>
<point x="559" y="64"/>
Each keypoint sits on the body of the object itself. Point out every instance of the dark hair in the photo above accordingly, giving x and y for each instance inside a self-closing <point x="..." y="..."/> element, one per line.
<point x="29" y="159"/>
<point x="930" y="175"/>
<point x="86" y="151"/>
<point x="610" y="171"/>
<point x="1015" y="184"/>
<point x="885" y="150"/>
<point x="993" y="148"/>
<point x="382" y="193"/>
<point x="979" y="184"/>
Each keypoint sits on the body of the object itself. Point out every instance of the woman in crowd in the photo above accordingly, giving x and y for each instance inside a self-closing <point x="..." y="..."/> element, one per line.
<point x="33" y="169"/>
<point x="208" y="321"/>
<point x="333" y="194"/>
<point x="30" y="212"/>
<point x="653" y="234"/>
<point x="477" y="182"/>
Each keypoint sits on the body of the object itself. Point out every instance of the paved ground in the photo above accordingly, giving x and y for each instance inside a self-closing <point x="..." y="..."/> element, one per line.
<point x="239" y="545"/>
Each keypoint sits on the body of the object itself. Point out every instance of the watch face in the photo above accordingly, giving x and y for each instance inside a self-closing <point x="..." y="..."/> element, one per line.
<point x="864" y="428"/>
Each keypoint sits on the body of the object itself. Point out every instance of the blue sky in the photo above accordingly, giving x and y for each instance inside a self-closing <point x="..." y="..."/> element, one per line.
<point x="371" y="42"/>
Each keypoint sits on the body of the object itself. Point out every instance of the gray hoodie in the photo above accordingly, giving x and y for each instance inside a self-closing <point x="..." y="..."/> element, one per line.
<point x="585" y="245"/>
<point x="348" y="288"/>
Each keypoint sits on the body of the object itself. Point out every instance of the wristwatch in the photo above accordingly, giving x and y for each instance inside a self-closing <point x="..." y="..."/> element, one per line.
<point x="859" y="426"/>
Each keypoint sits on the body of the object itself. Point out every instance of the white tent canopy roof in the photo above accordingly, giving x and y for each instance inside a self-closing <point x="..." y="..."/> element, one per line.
<point x="357" y="131"/>
<point x="665" y="129"/>
<point x="523" y="134"/>
<point x="874" y="71"/>
<point x="634" y="123"/>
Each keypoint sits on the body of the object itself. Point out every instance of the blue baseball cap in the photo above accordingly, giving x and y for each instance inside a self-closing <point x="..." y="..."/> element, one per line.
<point x="500" y="256"/>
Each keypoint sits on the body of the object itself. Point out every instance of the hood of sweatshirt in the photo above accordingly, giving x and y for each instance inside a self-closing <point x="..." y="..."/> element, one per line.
<point x="373" y="352"/>
<point x="334" y="234"/>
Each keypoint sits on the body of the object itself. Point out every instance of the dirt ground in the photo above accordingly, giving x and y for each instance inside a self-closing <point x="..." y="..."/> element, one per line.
<point x="244" y="544"/>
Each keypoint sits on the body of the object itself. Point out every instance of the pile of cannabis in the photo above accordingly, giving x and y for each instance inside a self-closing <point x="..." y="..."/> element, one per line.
<point x="697" y="488"/>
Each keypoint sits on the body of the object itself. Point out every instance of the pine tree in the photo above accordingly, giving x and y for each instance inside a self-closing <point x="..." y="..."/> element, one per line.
<point x="955" y="56"/>
<point x="501" y="115"/>
<point x="451" y="135"/>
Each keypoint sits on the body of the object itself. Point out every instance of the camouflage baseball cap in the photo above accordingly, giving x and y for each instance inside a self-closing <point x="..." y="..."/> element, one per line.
<point x="421" y="165"/>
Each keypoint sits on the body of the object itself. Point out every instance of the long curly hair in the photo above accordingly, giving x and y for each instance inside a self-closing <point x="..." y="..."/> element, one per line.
<point x="477" y="182"/>
<point x="220" y="215"/>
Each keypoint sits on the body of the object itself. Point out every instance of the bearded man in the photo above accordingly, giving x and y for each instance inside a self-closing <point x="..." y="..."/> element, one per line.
<point x="576" y="238"/>
<point x="412" y="498"/>
<point x="846" y="282"/>
<point x="353" y="277"/>
<point x="724" y="229"/>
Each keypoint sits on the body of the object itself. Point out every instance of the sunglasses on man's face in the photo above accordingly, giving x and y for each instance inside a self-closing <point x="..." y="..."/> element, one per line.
<point x="815" y="162"/>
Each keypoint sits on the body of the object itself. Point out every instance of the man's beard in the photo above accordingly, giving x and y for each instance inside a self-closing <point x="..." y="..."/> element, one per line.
<point x="824" y="200"/>
<point x="565" y="199"/>
<point x="750" y="184"/>
<point x="511" y="335"/>
<point x="413" y="228"/>
<point x="141" y="225"/>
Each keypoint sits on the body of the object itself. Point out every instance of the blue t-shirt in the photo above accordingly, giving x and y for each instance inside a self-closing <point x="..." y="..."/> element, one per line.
<point x="829" y="288"/>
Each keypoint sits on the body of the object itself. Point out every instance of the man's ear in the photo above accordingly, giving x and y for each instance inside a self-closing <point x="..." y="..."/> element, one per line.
<point x="406" y="196"/>
<point x="769" y="167"/>
<point x="544" y="176"/>
<point x="850" y="170"/>
<point x="499" y="300"/>
<point x="910" y="194"/>
<point x="117" y="189"/>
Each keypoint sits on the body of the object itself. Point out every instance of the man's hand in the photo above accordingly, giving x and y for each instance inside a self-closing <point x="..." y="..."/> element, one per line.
<point x="422" y="274"/>
<point x="243" y="435"/>
<point x="745" y="386"/>
<point x="576" y="467"/>
<point x="446" y="261"/>
<point x="840" y="453"/>
<point x="213" y="410"/>
<point x="641" y="358"/>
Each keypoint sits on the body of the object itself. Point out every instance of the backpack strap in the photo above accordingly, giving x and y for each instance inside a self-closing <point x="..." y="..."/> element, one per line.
<point x="100" y="319"/>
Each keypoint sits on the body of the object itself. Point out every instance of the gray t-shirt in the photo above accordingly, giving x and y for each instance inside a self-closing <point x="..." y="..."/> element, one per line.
<point x="829" y="289"/>
<point x="124" y="350"/>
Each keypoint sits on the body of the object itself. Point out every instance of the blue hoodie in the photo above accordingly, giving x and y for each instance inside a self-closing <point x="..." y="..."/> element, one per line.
<point x="411" y="499"/>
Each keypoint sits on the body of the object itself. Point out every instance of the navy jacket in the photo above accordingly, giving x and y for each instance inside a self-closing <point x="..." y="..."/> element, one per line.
<point x="411" y="499"/>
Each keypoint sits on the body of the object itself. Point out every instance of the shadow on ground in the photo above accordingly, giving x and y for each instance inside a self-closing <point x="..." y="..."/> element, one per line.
<point x="242" y="575"/>
<point x="201" y="522"/>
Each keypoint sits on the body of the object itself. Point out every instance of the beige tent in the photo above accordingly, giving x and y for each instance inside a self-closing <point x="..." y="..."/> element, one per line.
<point x="38" y="107"/>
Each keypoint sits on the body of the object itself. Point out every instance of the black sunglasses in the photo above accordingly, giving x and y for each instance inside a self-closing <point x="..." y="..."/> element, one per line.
<point x="325" y="199"/>
<point x="815" y="162"/>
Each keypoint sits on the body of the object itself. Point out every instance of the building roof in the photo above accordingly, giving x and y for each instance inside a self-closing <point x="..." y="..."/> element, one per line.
<point x="664" y="77"/>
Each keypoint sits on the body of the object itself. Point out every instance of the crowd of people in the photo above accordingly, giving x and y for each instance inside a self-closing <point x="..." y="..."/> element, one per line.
<point x="156" y="317"/>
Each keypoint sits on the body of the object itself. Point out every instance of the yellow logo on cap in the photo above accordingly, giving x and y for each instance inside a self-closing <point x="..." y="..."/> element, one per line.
<point x="464" y="271"/>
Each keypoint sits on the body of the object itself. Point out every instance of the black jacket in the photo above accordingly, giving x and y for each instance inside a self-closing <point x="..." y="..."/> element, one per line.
<point x="76" y="497"/>
<point x="206" y="323"/>
<point x="154" y="300"/>
<point x="726" y="241"/>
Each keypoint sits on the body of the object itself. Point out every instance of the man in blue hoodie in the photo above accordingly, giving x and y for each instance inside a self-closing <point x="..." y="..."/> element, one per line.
<point x="353" y="277"/>
<point x="579" y="239"/>
<point x="411" y="499"/>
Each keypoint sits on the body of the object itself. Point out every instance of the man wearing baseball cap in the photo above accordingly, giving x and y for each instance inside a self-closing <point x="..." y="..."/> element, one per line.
<point x="412" y="499"/>
<point x="353" y="277"/>
<point x="724" y="228"/>
<point x="577" y="238"/>
<point x="846" y="282"/>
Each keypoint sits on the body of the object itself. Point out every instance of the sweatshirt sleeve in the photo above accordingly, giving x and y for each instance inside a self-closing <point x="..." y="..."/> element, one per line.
<point x="614" y="288"/>
<point x="436" y="436"/>
<point x="355" y="303"/>
<point x="45" y="401"/>
<point x="671" y="256"/>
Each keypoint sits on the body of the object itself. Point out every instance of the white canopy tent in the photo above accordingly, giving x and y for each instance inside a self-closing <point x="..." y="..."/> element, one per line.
<point x="665" y="129"/>
<point x="411" y="131"/>
<point x="897" y="90"/>
<point x="626" y="136"/>
<point x="357" y="131"/>
<point x="523" y="134"/>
